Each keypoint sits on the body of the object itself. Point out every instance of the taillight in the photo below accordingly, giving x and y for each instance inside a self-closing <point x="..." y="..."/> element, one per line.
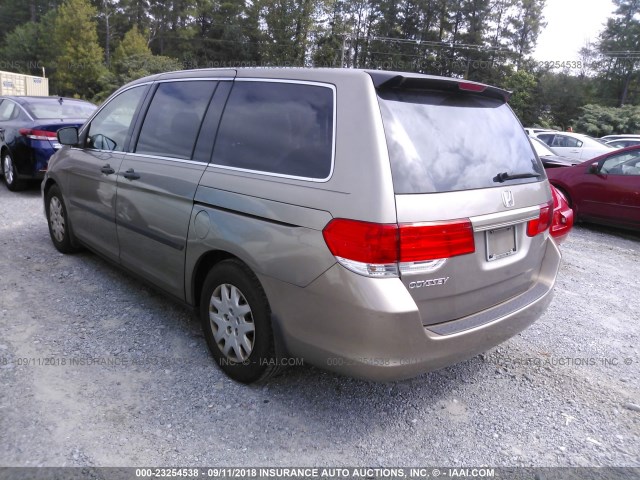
<point x="382" y="250"/>
<point x="562" y="217"/>
<point x="431" y="241"/>
<point x="543" y="222"/>
<point x="37" y="134"/>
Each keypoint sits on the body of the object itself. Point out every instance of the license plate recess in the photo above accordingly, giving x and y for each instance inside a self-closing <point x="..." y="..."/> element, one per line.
<point x="500" y="242"/>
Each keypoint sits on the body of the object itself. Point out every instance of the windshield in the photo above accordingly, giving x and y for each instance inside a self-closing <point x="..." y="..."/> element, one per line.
<point x="442" y="141"/>
<point x="43" y="108"/>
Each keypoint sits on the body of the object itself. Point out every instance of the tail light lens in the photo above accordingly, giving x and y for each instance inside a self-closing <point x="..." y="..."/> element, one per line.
<point x="382" y="250"/>
<point x="543" y="222"/>
<point x="562" y="217"/>
<point x="37" y="134"/>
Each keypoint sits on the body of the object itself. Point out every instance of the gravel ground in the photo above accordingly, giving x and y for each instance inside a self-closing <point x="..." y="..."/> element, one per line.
<point x="96" y="369"/>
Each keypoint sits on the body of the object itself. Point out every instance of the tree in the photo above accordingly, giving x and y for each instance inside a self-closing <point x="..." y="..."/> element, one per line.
<point x="619" y="45"/>
<point x="523" y="86"/>
<point x="79" y="66"/>
<point x="598" y="121"/>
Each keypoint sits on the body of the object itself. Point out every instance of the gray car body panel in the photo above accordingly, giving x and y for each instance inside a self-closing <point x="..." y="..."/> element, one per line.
<point x="180" y="212"/>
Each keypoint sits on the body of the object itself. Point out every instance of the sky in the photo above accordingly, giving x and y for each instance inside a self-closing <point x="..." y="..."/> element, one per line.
<point x="570" y="24"/>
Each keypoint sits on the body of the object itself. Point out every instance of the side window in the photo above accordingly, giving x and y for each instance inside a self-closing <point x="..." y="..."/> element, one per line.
<point x="625" y="164"/>
<point x="172" y="123"/>
<point x="546" y="138"/>
<point x="8" y="110"/>
<point x="564" y="141"/>
<point x="110" y="127"/>
<point x="282" y="128"/>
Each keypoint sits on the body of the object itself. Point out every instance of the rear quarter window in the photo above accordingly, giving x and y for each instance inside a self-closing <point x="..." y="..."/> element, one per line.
<point x="277" y="128"/>
<point x="442" y="141"/>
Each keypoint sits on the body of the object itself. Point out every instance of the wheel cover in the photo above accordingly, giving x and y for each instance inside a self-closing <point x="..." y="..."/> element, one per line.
<point x="8" y="169"/>
<point x="56" y="218"/>
<point x="232" y="322"/>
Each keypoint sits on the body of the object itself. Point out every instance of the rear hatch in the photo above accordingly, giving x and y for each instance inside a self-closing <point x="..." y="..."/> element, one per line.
<point x="471" y="195"/>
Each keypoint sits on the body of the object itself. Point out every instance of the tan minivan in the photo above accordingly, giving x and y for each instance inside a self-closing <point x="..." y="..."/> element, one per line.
<point x="379" y="224"/>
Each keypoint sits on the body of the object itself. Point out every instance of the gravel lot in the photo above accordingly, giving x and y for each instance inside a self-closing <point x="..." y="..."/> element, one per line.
<point x="96" y="369"/>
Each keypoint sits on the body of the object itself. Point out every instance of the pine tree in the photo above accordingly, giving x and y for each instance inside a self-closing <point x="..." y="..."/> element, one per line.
<point x="79" y="62"/>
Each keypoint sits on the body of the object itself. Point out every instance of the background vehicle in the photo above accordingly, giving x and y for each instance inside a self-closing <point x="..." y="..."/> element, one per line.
<point x="623" y="142"/>
<point x="549" y="158"/>
<point x="534" y="130"/>
<point x="604" y="189"/>
<point x="574" y="145"/>
<point x="28" y="127"/>
<point x="616" y="137"/>
<point x="242" y="193"/>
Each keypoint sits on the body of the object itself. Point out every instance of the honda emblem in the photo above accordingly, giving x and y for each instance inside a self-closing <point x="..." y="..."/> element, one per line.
<point x="507" y="199"/>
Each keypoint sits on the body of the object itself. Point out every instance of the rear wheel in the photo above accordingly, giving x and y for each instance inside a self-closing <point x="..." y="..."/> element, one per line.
<point x="236" y="320"/>
<point x="59" y="226"/>
<point x="10" y="173"/>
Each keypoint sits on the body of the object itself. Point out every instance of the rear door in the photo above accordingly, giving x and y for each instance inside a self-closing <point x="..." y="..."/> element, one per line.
<point x="467" y="181"/>
<point x="157" y="182"/>
<point x="91" y="171"/>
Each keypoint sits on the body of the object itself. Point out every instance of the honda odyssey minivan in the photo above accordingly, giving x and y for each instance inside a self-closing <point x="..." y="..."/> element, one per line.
<point x="378" y="224"/>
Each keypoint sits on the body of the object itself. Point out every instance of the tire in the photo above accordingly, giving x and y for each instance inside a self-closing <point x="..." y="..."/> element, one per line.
<point x="58" y="221"/>
<point x="236" y="320"/>
<point x="10" y="173"/>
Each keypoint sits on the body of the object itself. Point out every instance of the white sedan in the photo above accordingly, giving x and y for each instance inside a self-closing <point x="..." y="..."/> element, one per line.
<point x="574" y="145"/>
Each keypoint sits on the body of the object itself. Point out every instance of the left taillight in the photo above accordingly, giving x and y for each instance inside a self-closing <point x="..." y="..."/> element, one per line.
<point x="543" y="222"/>
<point x="384" y="250"/>
<point x="34" y="134"/>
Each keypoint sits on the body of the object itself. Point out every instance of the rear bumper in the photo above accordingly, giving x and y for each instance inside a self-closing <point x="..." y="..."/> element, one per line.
<point x="372" y="329"/>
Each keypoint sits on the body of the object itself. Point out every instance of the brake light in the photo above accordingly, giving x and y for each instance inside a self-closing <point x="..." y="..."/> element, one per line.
<point x="471" y="87"/>
<point x="543" y="222"/>
<point x="37" y="134"/>
<point x="377" y="250"/>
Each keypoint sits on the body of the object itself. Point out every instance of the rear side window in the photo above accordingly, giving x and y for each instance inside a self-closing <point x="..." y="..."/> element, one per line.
<point x="442" y="142"/>
<point x="172" y="123"/>
<point x="281" y="128"/>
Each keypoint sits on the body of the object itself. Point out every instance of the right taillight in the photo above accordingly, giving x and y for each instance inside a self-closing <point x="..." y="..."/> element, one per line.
<point x="382" y="250"/>
<point x="543" y="222"/>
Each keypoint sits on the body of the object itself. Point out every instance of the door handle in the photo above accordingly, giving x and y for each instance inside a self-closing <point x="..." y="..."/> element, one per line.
<point x="131" y="175"/>
<point x="107" y="170"/>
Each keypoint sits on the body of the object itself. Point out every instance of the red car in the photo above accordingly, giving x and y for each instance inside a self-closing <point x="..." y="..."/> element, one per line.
<point x="605" y="189"/>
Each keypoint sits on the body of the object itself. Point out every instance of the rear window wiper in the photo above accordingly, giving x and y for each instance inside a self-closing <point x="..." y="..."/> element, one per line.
<point x="504" y="176"/>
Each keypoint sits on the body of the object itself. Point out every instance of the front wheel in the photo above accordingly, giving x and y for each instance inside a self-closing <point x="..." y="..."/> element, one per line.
<point x="10" y="173"/>
<point x="59" y="226"/>
<point x="236" y="320"/>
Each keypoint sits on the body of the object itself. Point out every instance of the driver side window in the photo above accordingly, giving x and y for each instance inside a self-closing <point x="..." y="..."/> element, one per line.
<point x="110" y="127"/>
<point x="627" y="163"/>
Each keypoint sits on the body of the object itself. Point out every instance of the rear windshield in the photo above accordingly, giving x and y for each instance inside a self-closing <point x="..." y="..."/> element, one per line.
<point x="443" y="142"/>
<point x="59" y="108"/>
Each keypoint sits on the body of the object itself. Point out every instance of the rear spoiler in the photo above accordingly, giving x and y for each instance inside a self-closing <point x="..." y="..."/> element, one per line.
<point x="383" y="80"/>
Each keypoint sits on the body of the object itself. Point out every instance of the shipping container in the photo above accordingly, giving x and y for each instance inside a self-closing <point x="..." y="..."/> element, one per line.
<point x="19" y="84"/>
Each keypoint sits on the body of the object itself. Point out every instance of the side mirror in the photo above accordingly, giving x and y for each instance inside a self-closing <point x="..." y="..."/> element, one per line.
<point x="68" y="136"/>
<point x="595" y="168"/>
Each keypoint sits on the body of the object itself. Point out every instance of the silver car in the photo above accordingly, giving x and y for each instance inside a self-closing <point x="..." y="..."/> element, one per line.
<point x="379" y="224"/>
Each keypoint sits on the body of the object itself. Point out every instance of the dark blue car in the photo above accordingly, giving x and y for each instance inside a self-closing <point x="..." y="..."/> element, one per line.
<point x="28" y="127"/>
